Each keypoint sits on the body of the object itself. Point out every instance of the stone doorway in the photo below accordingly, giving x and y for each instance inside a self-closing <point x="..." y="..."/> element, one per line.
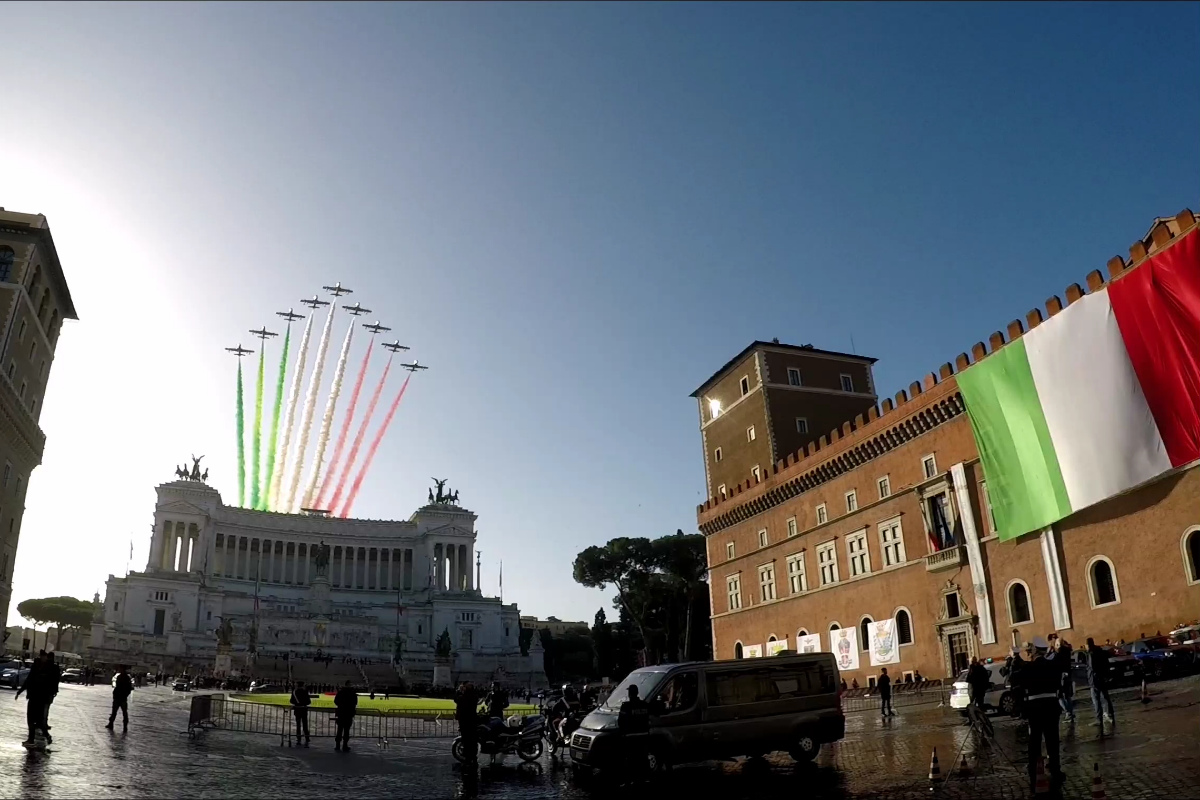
<point x="959" y="652"/>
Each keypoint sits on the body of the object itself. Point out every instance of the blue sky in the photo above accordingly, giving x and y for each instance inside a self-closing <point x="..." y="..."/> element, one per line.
<point x="574" y="213"/>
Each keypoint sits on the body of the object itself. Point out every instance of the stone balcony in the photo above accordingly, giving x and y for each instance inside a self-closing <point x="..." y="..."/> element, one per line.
<point x="950" y="558"/>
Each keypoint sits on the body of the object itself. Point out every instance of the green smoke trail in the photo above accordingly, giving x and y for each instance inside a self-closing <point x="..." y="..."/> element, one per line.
<point x="241" y="447"/>
<point x="265" y="491"/>
<point x="256" y="440"/>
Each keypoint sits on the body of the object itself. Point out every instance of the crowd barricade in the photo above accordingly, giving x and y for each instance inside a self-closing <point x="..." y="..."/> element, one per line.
<point x="903" y="695"/>
<point x="218" y="712"/>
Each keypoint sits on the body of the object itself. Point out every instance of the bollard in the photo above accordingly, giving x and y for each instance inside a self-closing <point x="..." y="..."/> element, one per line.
<point x="963" y="769"/>
<point x="935" y="772"/>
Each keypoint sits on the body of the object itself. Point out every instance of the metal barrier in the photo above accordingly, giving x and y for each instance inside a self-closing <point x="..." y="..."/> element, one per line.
<point x="925" y="694"/>
<point x="217" y="712"/>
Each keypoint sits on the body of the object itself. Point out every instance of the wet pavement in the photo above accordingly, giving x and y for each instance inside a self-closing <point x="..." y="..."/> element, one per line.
<point x="1155" y="753"/>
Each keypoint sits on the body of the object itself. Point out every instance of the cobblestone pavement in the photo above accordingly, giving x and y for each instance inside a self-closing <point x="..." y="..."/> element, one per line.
<point x="1155" y="753"/>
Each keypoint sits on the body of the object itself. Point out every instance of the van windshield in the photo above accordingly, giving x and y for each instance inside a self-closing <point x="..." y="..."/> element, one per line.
<point x="646" y="681"/>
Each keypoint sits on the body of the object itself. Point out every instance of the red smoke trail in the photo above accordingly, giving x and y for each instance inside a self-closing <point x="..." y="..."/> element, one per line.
<point x="358" y="437"/>
<point x="371" y="451"/>
<point x="327" y="483"/>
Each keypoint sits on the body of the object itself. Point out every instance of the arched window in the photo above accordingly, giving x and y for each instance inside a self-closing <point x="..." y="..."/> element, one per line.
<point x="801" y="632"/>
<point x="52" y="332"/>
<point x="737" y="650"/>
<point x="7" y="256"/>
<point x="1018" y="603"/>
<point x="833" y="626"/>
<point x="1102" y="582"/>
<point x="1191" y="554"/>
<point x="772" y="638"/>
<point x="41" y="312"/>
<point x="903" y="626"/>
<point x="864" y="633"/>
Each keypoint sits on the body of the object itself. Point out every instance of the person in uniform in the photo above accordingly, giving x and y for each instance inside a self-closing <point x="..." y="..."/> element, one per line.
<point x="1040" y="680"/>
<point x="633" y="723"/>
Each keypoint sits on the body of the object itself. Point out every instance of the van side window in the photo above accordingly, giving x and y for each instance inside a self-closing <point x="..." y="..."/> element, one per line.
<point x="763" y="685"/>
<point x="680" y="693"/>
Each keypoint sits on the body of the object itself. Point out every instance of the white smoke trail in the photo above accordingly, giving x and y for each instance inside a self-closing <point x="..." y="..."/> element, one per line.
<point x="289" y="417"/>
<point x="306" y="418"/>
<point x="310" y="492"/>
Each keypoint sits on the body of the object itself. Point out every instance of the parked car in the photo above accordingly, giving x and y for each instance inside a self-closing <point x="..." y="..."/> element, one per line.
<point x="265" y="688"/>
<point x="14" y="673"/>
<point x="721" y="710"/>
<point x="1124" y="669"/>
<point x="72" y="675"/>
<point x="182" y="685"/>
<point x="999" y="698"/>
<point x="1161" y="658"/>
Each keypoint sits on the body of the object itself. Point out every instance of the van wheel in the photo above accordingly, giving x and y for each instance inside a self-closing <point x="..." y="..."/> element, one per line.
<point x="1008" y="704"/>
<point x="806" y="749"/>
<point x="657" y="763"/>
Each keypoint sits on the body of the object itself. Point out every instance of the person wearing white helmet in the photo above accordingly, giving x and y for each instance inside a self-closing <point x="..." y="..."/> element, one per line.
<point x="1040" y="680"/>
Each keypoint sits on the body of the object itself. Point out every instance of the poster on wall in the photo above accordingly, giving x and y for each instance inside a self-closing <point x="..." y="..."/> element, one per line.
<point x="844" y="643"/>
<point x="884" y="647"/>
<point x="752" y="651"/>
<point x="808" y="643"/>
<point x="776" y="647"/>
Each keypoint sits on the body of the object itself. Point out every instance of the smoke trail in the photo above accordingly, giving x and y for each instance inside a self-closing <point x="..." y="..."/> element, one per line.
<point x="358" y="437"/>
<point x="358" y="479"/>
<point x="327" y="480"/>
<point x="310" y="403"/>
<point x="335" y="390"/>
<point x="256" y="436"/>
<point x="241" y="447"/>
<point x="289" y="417"/>
<point x="264" y="499"/>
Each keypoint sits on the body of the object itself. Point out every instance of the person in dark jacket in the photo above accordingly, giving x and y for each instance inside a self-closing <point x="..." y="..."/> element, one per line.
<point x="53" y="677"/>
<point x="979" y="680"/>
<point x="122" y="688"/>
<point x="633" y="723"/>
<point x="466" y="711"/>
<point x="1040" y="679"/>
<point x="346" y="701"/>
<point x="1097" y="664"/>
<point x="38" y="689"/>
<point x="1060" y="653"/>
<point x="885" y="694"/>
<point x="300" y="702"/>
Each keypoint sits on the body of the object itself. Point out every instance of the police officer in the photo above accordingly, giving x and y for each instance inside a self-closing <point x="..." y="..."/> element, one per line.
<point x="1040" y="680"/>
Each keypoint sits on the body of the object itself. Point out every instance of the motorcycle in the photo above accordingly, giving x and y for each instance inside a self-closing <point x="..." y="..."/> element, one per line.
<point x="562" y="740"/>
<point x="521" y="736"/>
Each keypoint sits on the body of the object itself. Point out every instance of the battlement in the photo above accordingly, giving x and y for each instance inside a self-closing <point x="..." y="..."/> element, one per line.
<point x="926" y="403"/>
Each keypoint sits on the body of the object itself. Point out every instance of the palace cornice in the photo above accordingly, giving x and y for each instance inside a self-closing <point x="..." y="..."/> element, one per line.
<point x="933" y="415"/>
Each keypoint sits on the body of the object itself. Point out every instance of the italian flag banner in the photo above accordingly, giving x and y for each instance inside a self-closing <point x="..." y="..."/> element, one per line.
<point x="1095" y="401"/>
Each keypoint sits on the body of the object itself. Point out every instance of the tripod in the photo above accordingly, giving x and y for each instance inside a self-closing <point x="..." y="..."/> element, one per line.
<point x="983" y="733"/>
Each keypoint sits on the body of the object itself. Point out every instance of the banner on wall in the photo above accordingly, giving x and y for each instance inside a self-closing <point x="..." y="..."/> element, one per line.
<point x="808" y="643"/>
<point x="844" y="643"/>
<point x="883" y="645"/>
<point x="752" y="651"/>
<point x="775" y="647"/>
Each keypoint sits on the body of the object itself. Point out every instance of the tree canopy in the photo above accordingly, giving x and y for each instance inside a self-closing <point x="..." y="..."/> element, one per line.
<point x="662" y="592"/>
<point x="63" y="612"/>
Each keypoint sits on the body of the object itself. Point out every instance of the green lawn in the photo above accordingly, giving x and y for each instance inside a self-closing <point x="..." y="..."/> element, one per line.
<point x="378" y="704"/>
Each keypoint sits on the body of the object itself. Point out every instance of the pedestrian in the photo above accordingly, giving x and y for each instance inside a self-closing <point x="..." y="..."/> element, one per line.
<point x="854" y="683"/>
<point x="53" y="678"/>
<point x="979" y="680"/>
<point x="122" y="688"/>
<point x="844" y="684"/>
<point x="37" y="694"/>
<point x="1097" y="663"/>
<point x="917" y="677"/>
<point x="466" y="709"/>
<point x="633" y="723"/>
<point x="885" y="694"/>
<point x="300" y="701"/>
<point x="1040" y="679"/>
<point x="346" y="702"/>
<point x="1061" y="654"/>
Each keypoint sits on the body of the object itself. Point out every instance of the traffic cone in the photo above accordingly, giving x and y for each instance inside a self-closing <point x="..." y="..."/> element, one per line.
<point x="1098" y="792"/>
<point x="935" y="771"/>
<point x="1041" y="784"/>
<point x="963" y="769"/>
<point x="1145" y="692"/>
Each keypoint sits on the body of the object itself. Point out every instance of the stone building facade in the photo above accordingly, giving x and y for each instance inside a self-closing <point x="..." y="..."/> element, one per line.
<point x="887" y="516"/>
<point x="243" y="583"/>
<point x="34" y="302"/>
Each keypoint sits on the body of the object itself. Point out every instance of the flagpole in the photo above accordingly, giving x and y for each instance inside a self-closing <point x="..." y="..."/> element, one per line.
<point x="502" y="580"/>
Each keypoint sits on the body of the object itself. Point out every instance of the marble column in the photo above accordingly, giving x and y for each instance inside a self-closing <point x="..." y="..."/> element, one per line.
<point x="185" y="546"/>
<point x="156" y="548"/>
<point x="307" y="558"/>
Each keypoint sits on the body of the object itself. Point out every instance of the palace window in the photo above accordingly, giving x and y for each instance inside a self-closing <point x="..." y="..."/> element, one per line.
<point x="1102" y="582"/>
<point x="745" y="385"/>
<point x="929" y="466"/>
<point x="1018" y="603"/>
<point x="791" y="526"/>
<point x="756" y="472"/>
<point x="717" y="455"/>
<point x="847" y="383"/>
<point x="1190" y="544"/>
<point x="987" y="501"/>
<point x="864" y="633"/>
<point x="891" y="542"/>
<point x="729" y="550"/>
<point x="822" y="514"/>
<point x="21" y="330"/>
<point x="856" y="549"/>
<point x="797" y="580"/>
<point x="953" y="608"/>
<point x="7" y="257"/>
<point x="750" y="435"/>
<point x="464" y="639"/>
<point x="885" y="487"/>
<point x="733" y="587"/>
<point x="766" y="581"/>
<point x="938" y="522"/>
<point x="721" y="492"/>
<point x="851" y="501"/>
<point x="161" y="596"/>
<point x="801" y="425"/>
<point x="762" y="538"/>
<point x="903" y="626"/>
<point x="827" y="559"/>
<point x="793" y="376"/>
